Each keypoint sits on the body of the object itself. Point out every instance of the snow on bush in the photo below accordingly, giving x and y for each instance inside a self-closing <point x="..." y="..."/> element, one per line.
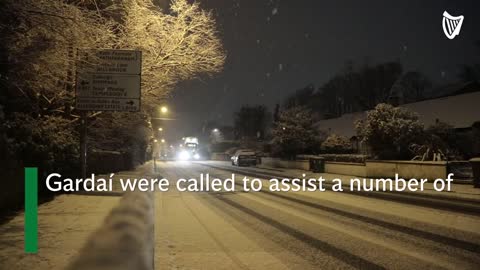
<point x="336" y="144"/>
<point x="389" y="131"/>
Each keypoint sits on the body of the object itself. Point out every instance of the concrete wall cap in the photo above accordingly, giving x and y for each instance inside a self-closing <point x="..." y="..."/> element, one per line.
<point x="416" y="162"/>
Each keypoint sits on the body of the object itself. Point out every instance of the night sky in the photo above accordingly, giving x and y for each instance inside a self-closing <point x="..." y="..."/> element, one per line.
<point x="275" y="47"/>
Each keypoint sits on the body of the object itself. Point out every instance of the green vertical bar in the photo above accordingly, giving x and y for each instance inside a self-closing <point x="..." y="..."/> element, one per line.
<point x="31" y="210"/>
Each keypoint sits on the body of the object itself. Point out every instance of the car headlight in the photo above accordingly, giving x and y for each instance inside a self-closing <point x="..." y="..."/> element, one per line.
<point x="184" y="155"/>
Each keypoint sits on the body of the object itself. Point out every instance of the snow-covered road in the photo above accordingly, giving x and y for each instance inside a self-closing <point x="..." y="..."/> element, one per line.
<point x="309" y="230"/>
<point x="260" y="230"/>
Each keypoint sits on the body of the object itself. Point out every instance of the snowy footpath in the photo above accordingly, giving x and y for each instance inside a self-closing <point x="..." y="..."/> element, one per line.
<point x="64" y="225"/>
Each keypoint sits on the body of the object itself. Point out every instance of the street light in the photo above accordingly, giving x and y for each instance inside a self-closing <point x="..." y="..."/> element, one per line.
<point x="164" y="109"/>
<point x="216" y="136"/>
<point x="155" y="140"/>
<point x="160" y="129"/>
<point x="163" y="140"/>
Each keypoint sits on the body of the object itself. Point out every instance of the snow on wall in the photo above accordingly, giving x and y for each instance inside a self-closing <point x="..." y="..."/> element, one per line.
<point x="125" y="240"/>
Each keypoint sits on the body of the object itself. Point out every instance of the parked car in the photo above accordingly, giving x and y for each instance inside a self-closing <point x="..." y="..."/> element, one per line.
<point x="244" y="157"/>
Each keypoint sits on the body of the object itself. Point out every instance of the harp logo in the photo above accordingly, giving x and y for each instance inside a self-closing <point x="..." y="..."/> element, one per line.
<point x="451" y="25"/>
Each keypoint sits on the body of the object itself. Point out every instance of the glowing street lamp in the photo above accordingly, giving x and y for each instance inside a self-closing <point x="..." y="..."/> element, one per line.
<point x="160" y="129"/>
<point x="164" y="109"/>
<point x="163" y="141"/>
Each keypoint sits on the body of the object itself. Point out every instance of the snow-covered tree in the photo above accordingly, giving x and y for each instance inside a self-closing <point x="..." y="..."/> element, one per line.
<point x="250" y="121"/>
<point x="176" y="46"/>
<point x="389" y="131"/>
<point x="40" y="39"/>
<point x="294" y="133"/>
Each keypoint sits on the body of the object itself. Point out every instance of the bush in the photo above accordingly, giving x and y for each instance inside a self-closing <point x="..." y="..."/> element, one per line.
<point x="444" y="131"/>
<point x="432" y="149"/>
<point x="454" y="145"/>
<point x="468" y="144"/>
<point x="128" y="133"/>
<point x="389" y="131"/>
<point x="336" y="144"/>
<point x="11" y="193"/>
<point x="101" y="161"/>
<point x="439" y="143"/>
<point x="49" y="142"/>
<point x="353" y="158"/>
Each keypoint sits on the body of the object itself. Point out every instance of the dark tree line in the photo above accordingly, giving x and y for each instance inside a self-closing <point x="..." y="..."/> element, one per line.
<point x="251" y="122"/>
<point x="361" y="88"/>
<point x="471" y="73"/>
<point x="294" y="133"/>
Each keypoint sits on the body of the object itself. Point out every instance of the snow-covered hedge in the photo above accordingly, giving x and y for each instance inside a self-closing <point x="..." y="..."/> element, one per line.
<point x="337" y="144"/>
<point x="353" y="158"/>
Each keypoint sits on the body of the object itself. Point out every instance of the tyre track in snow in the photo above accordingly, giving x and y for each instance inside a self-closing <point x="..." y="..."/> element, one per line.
<point x="207" y="229"/>
<point x="459" y="205"/>
<point x="470" y="247"/>
<point x="327" y="249"/>
<point x="312" y="203"/>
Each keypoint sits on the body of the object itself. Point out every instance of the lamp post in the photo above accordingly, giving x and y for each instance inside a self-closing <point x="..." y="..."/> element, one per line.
<point x="155" y="149"/>
<point x="216" y="135"/>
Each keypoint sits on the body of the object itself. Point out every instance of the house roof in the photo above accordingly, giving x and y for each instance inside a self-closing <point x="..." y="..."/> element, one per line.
<point x="343" y="125"/>
<point x="460" y="111"/>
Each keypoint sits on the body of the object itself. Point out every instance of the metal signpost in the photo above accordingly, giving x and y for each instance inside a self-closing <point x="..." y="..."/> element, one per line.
<point x="107" y="80"/>
<point x="108" y="92"/>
